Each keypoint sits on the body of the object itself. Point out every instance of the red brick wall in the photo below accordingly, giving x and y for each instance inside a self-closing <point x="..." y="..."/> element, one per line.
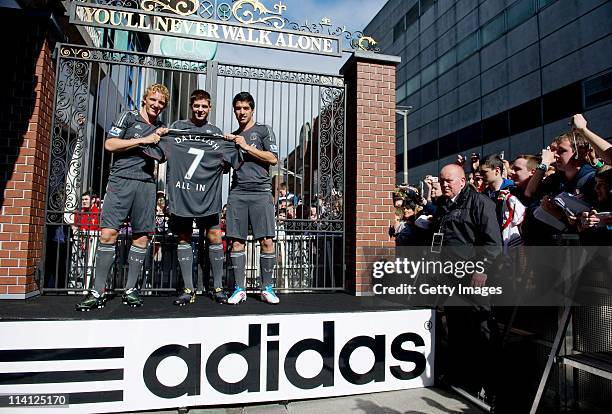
<point x="370" y="166"/>
<point x="24" y="143"/>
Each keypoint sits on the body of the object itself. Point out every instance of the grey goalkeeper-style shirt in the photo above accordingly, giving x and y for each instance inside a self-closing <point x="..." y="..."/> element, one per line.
<point x="197" y="158"/>
<point x="254" y="175"/>
<point x="132" y="164"/>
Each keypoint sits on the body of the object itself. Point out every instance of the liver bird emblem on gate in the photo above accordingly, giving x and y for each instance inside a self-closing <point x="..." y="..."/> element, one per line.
<point x="366" y="43"/>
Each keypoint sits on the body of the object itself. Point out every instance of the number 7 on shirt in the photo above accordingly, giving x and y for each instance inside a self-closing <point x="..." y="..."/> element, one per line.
<point x="199" y="154"/>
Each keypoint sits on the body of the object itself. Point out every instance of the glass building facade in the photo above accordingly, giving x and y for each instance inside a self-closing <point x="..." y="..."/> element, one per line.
<point x="495" y="75"/>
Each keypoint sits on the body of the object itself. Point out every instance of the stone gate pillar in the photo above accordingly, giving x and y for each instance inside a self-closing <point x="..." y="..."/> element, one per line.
<point x="370" y="164"/>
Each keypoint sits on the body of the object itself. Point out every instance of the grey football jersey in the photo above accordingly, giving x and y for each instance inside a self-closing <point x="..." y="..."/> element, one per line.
<point x="196" y="160"/>
<point x="254" y="175"/>
<point x="132" y="164"/>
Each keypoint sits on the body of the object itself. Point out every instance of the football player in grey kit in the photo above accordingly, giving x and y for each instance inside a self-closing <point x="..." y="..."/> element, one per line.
<point x="130" y="192"/>
<point x="197" y="157"/>
<point x="250" y="199"/>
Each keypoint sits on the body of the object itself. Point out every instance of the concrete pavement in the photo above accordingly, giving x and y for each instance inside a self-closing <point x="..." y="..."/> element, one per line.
<point x="414" y="401"/>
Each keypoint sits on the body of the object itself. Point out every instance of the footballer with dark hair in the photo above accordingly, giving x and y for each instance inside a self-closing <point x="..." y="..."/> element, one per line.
<point x="197" y="157"/>
<point x="250" y="200"/>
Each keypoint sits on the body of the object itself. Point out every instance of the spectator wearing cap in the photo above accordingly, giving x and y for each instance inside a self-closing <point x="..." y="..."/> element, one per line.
<point x="411" y="234"/>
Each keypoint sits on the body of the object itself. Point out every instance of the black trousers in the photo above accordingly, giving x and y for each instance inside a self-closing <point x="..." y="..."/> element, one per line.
<point x="474" y="348"/>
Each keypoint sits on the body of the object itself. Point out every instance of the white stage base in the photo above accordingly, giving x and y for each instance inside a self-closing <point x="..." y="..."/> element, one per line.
<point x="129" y="365"/>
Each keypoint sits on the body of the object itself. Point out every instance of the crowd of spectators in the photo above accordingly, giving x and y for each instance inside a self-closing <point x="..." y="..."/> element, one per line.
<point x="489" y="208"/>
<point x="290" y="206"/>
<point x="539" y="198"/>
<point x="309" y="245"/>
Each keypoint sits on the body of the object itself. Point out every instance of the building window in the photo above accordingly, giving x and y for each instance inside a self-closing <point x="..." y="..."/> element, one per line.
<point x="399" y="128"/>
<point x="519" y="12"/>
<point x="448" y="60"/>
<point x="429" y="152"/>
<point x="425" y="5"/>
<point x="398" y="29"/>
<point x="399" y="162"/>
<point x="526" y="116"/>
<point x="414" y="159"/>
<point x="412" y="16"/>
<point x="563" y="102"/>
<point x="558" y="104"/>
<point x="413" y="85"/>
<point x="495" y="127"/>
<point x="448" y="145"/>
<point x="598" y="90"/>
<point x="429" y="73"/>
<point x="544" y="3"/>
<point x="469" y="137"/>
<point x="494" y="29"/>
<point x="467" y="46"/>
<point x="400" y="93"/>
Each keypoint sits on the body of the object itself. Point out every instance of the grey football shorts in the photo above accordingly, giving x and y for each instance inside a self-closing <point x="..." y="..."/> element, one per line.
<point x="179" y="224"/>
<point x="129" y="198"/>
<point x="254" y="208"/>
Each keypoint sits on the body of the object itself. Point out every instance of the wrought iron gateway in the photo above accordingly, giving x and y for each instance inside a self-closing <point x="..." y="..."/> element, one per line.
<point x="306" y="111"/>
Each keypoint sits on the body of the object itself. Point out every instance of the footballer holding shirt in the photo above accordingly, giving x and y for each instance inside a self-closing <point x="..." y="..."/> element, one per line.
<point x="250" y="199"/>
<point x="197" y="157"/>
<point x="130" y="192"/>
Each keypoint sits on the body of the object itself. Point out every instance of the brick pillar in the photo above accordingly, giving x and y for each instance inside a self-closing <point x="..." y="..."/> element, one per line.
<point x="370" y="164"/>
<point x="25" y="127"/>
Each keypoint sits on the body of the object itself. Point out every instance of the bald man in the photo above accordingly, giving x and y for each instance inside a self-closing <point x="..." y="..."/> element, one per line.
<point x="466" y="217"/>
<point x="465" y="229"/>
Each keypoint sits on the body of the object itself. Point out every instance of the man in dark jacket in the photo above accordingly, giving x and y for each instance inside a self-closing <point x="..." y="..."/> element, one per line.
<point x="466" y="218"/>
<point x="466" y="228"/>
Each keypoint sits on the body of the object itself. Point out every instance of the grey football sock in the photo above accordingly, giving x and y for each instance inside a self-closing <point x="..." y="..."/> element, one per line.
<point x="266" y="264"/>
<point x="185" y="258"/>
<point x="136" y="259"/>
<point x="239" y="264"/>
<point x="215" y="256"/>
<point x="105" y="257"/>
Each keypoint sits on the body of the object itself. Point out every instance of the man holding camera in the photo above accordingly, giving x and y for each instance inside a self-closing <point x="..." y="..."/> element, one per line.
<point x="546" y="222"/>
<point x="574" y="175"/>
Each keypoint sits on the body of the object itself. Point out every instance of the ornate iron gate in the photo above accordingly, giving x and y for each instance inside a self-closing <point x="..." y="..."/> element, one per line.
<point x="306" y="111"/>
